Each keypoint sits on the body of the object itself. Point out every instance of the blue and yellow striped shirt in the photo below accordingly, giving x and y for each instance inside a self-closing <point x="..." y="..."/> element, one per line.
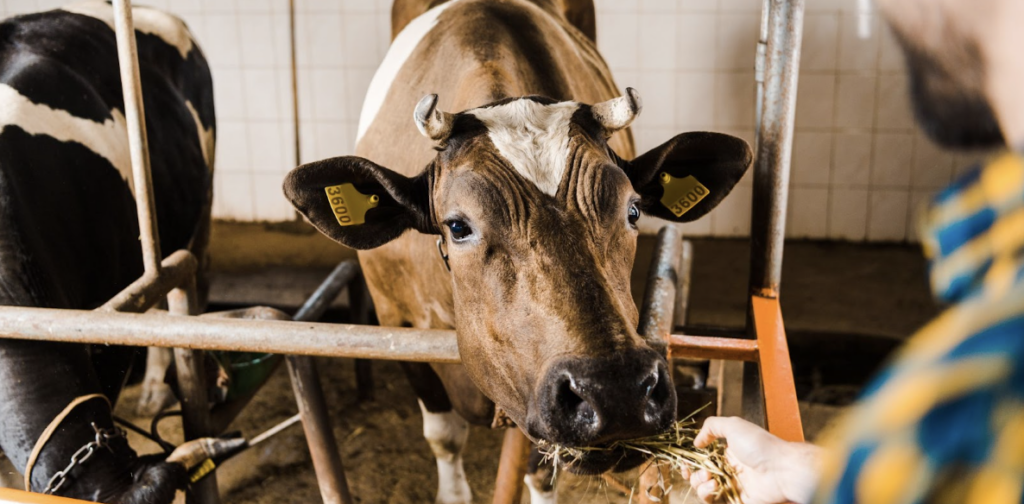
<point x="944" y="422"/>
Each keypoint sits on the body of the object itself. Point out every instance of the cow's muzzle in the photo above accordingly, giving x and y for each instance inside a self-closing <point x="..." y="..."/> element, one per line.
<point x="587" y="401"/>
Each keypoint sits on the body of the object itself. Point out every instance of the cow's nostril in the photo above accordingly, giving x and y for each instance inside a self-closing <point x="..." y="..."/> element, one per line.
<point x="648" y="384"/>
<point x="569" y="401"/>
<point x="566" y="398"/>
<point x="659" y="392"/>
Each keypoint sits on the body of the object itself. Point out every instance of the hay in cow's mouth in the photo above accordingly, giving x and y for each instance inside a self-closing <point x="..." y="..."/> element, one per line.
<point x="673" y="448"/>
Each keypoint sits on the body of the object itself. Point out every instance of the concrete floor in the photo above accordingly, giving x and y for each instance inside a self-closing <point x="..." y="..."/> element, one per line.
<point x="846" y="306"/>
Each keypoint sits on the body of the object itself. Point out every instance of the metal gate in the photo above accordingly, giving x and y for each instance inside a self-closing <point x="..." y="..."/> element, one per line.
<point x="768" y="393"/>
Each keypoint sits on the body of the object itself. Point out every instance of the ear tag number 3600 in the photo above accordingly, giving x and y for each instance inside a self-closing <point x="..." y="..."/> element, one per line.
<point x="681" y="194"/>
<point x="350" y="205"/>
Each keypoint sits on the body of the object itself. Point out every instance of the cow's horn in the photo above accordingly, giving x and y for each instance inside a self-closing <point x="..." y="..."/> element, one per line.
<point x="433" y="123"/>
<point x="618" y="113"/>
<point x="192" y="453"/>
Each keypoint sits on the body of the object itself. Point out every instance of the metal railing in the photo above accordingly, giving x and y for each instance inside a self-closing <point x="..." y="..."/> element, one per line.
<point x="120" y="321"/>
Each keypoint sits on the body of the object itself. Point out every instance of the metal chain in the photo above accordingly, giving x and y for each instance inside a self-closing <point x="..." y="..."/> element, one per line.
<point x="102" y="440"/>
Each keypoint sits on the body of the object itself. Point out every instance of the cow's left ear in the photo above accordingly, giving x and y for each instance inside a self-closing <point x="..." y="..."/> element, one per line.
<point x="358" y="203"/>
<point x="689" y="175"/>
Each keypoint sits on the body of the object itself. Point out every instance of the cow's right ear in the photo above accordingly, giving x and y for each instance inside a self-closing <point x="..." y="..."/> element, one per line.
<point x="357" y="203"/>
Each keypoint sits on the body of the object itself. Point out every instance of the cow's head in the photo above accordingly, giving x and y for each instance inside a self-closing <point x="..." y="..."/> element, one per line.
<point x="539" y="219"/>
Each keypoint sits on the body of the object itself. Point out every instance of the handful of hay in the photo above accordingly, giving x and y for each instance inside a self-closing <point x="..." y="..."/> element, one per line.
<point x="673" y="447"/>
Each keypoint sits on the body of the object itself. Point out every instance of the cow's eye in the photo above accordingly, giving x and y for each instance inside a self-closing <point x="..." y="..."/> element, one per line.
<point x="634" y="214"/>
<point x="458" y="229"/>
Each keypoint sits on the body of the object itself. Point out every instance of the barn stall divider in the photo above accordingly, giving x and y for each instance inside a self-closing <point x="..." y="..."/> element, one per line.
<point x="768" y="393"/>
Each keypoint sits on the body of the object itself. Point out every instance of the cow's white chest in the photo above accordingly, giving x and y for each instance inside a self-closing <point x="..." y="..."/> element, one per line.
<point x="533" y="137"/>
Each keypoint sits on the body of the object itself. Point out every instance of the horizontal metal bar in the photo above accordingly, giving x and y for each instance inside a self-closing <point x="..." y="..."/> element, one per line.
<point x="151" y="287"/>
<point x="302" y="338"/>
<point x="271" y="336"/>
<point x="711" y="347"/>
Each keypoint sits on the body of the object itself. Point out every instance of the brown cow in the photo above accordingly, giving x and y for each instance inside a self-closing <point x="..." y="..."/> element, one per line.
<point x="529" y="198"/>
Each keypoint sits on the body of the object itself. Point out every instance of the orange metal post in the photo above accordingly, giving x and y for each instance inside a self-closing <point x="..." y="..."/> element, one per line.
<point x="515" y="455"/>
<point x="654" y="481"/>
<point x="782" y="412"/>
<point x="11" y="496"/>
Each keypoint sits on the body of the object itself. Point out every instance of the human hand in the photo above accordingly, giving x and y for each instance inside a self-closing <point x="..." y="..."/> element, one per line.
<point x="768" y="469"/>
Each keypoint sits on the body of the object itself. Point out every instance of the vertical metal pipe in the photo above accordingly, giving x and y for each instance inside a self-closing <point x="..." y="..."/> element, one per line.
<point x="309" y="395"/>
<point x="762" y="49"/>
<point x="295" y="81"/>
<point x="660" y="294"/>
<point x="512" y="466"/>
<point x="135" y="114"/>
<point x="771" y="171"/>
<point x="195" y="406"/>
<point x="361" y="307"/>
<point x="693" y="371"/>
<point x="774" y="149"/>
<point x="323" y="448"/>
<point x="683" y="285"/>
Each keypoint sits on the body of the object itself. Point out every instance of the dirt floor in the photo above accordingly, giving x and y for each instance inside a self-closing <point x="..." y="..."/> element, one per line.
<point x="846" y="306"/>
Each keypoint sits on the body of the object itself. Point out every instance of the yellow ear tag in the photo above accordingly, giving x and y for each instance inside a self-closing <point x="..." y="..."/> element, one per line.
<point x="350" y="205"/>
<point x="681" y="194"/>
<point x="199" y="472"/>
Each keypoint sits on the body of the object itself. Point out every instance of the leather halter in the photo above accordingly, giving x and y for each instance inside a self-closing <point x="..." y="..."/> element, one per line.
<point x="50" y="429"/>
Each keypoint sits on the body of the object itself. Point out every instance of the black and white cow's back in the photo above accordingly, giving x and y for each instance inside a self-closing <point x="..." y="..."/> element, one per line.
<point x="69" y="236"/>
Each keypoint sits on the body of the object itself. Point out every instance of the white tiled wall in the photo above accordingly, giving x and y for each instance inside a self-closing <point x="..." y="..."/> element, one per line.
<point x="859" y="166"/>
<point x="860" y="169"/>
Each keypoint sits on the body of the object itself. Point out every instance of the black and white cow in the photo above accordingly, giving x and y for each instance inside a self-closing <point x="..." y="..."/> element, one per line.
<point x="69" y="237"/>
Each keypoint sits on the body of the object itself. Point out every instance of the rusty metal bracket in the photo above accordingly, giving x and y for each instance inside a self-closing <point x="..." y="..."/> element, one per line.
<point x="782" y="412"/>
<point x="150" y="288"/>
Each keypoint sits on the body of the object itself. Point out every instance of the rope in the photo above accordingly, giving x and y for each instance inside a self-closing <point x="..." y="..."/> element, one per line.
<point x="50" y="429"/>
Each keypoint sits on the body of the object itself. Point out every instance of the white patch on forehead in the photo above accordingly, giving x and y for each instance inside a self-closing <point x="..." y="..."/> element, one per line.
<point x="533" y="137"/>
<point x="108" y="139"/>
<point x="401" y="48"/>
<point x="146" y="20"/>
